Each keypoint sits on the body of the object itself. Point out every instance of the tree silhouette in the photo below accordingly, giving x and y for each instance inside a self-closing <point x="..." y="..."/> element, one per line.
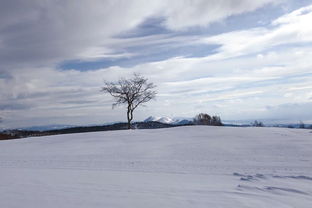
<point x="132" y="92"/>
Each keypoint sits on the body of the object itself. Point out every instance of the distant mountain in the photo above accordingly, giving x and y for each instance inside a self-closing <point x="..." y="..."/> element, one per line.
<point x="47" y="127"/>
<point x="163" y="120"/>
<point x="184" y="122"/>
<point x="268" y="123"/>
<point x="20" y="133"/>
<point x="167" y="120"/>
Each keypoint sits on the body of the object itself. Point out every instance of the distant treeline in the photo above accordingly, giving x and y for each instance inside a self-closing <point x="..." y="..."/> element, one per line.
<point x="206" y="119"/>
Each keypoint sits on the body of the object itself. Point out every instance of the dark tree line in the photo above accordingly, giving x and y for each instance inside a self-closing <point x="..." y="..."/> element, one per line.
<point x="205" y="119"/>
<point x="257" y="124"/>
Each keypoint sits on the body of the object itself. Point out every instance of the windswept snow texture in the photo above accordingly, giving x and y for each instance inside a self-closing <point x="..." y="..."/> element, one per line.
<point x="195" y="166"/>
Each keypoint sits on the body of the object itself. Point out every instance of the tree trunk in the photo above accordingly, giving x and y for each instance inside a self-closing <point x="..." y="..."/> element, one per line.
<point x="131" y="116"/>
<point x="128" y="118"/>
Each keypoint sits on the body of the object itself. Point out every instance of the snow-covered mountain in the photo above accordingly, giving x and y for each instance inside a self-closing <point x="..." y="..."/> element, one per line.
<point x="167" y="120"/>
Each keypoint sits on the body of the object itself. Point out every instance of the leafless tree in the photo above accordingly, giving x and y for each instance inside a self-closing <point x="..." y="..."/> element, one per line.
<point x="131" y="92"/>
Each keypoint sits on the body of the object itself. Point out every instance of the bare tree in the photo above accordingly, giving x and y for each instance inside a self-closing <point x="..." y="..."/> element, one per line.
<point x="131" y="92"/>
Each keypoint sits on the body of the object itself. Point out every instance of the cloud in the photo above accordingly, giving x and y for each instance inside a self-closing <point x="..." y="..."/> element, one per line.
<point x="253" y="68"/>
<point x="293" y="28"/>
<point x="185" y="13"/>
<point x="294" y="112"/>
<point x="45" y="33"/>
<point x="186" y="86"/>
<point x="13" y="106"/>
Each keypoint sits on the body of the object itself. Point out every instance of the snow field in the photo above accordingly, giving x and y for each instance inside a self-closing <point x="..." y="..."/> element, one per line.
<point x="195" y="166"/>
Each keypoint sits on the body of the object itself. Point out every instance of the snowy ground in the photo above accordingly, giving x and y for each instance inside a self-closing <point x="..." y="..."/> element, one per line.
<point x="177" y="167"/>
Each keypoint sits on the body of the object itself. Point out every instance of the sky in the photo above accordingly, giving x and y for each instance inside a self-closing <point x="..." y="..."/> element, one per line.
<point x="239" y="59"/>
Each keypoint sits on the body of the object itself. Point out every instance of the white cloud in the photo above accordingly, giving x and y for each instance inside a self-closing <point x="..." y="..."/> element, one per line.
<point x="47" y="32"/>
<point x="185" y="13"/>
<point x="227" y="83"/>
<point x="41" y="33"/>
<point x="185" y="86"/>
<point x="293" y="28"/>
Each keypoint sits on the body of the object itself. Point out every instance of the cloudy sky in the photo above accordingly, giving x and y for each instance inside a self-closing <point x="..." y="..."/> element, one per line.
<point x="239" y="59"/>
